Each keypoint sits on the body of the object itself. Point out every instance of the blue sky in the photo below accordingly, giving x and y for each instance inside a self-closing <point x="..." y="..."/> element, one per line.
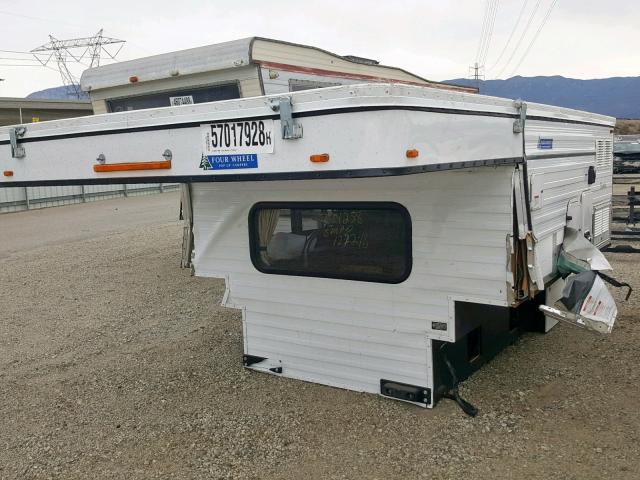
<point x="437" y="39"/>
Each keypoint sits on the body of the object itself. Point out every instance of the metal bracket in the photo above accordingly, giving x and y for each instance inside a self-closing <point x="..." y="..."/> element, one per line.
<point x="248" y="360"/>
<point x="17" y="151"/>
<point x="518" y="123"/>
<point x="404" y="391"/>
<point x="290" y="129"/>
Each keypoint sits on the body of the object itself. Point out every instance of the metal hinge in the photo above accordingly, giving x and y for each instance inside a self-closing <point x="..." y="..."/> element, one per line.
<point x="518" y="123"/>
<point x="290" y="129"/>
<point x="17" y="151"/>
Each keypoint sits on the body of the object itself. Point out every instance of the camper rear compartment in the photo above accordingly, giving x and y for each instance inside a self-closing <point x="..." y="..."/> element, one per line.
<point x="482" y="332"/>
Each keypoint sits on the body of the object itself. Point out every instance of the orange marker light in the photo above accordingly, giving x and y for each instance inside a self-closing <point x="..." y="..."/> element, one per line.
<point x="8" y="173"/>
<point x="133" y="78"/>
<point x="319" y="158"/>
<point x="413" y="153"/>
<point x="123" y="167"/>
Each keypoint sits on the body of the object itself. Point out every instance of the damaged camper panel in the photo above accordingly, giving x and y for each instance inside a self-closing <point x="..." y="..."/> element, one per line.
<point x="387" y="238"/>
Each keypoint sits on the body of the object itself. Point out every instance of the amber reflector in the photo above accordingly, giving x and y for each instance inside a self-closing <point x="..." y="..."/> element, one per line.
<point x="8" y="173"/>
<point x="123" y="167"/>
<point x="321" y="157"/>
<point x="413" y="153"/>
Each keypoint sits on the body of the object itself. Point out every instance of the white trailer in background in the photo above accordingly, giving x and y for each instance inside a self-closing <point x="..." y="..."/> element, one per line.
<point x="247" y="67"/>
<point x="383" y="238"/>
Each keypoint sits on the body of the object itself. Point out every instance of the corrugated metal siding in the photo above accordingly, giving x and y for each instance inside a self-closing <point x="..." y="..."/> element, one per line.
<point x="351" y="334"/>
<point x="24" y="198"/>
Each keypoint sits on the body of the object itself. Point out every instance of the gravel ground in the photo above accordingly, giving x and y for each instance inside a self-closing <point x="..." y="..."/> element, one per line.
<point x="115" y="363"/>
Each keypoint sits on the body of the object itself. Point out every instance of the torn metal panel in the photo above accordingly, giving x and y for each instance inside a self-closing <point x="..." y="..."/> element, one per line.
<point x="585" y="303"/>
<point x="585" y="300"/>
<point x="519" y="203"/>
<point x="536" y="280"/>
<point x="579" y="255"/>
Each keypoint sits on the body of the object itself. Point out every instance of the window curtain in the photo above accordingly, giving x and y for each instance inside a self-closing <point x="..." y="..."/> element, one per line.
<point x="267" y="222"/>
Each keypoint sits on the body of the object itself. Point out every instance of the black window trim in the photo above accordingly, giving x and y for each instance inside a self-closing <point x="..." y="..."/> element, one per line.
<point x="170" y="91"/>
<point x="254" y="242"/>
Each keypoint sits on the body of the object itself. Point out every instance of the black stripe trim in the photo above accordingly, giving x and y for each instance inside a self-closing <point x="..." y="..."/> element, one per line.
<point x="259" y="177"/>
<point x="149" y="128"/>
<point x="564" y="120"/>
<point x="312" y="113"/>
<point x="410" y="108"/>
<point x="533" y="157"/>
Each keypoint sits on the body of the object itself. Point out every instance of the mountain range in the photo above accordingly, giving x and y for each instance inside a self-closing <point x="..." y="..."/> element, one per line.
<point x="616" y="96"/>
<point x="62" y="92"/>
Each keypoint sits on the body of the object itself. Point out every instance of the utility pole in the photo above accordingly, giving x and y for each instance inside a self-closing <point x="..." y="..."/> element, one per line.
<point x="62" y="50"/>
<point x="476" y="72"/>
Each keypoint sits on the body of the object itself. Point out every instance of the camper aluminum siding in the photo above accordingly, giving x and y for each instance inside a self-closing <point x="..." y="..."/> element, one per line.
<point x="350" y="333"/>
<point x="559" y="155"/>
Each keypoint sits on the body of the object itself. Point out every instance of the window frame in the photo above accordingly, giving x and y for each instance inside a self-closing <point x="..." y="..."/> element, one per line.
<point x="301" y="85"/>
<point x="254" y="240"/>
<point x="169" y="92"/>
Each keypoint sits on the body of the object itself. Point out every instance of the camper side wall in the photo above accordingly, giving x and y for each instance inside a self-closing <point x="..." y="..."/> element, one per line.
<point x="561" y="185"/>
<point x="352" y="334"/>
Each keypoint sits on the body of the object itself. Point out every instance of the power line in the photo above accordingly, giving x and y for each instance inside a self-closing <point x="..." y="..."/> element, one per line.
<point x="14" y="51"/>
<point x="524" y="32"/>
<point x="535" y="37"/>
<point x="28" y="65"/>
<point x="19" y="59"/>
<point x="492" y="21"/>
<point x="483" y="29"/>
<point x="48" y="20"/>
<point x="491" y="8"/>
<point x="513" y="31"/>
<point x="110" y="25"/>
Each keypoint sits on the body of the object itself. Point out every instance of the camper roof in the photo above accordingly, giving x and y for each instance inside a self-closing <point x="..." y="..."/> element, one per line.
<point x="250" y="51"/>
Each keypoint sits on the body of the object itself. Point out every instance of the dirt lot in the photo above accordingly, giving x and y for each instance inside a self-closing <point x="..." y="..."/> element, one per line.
<point x="115" y="363"/>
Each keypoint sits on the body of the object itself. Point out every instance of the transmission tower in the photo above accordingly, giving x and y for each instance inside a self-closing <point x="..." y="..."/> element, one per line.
<point x="476" y="72"/>
<point x="63" y="50"/>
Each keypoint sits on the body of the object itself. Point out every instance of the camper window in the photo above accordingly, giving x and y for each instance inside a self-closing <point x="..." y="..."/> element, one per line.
<point x="354" y="241"/>
<point x="212" y="93"/>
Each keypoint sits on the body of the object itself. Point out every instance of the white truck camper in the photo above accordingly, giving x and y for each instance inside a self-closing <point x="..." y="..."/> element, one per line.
<point x="384" y="238"/>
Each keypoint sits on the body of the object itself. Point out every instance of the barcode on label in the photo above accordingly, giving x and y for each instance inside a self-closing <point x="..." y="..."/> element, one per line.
<point x="185" y="100"/>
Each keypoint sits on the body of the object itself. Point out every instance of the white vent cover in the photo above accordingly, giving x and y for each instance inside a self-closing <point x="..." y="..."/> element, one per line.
<point x="601" y="223"/>
<point x="604" y="154"/>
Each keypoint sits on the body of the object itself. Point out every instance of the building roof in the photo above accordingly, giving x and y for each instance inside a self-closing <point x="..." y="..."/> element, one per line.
<point x="43" y="104"/>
